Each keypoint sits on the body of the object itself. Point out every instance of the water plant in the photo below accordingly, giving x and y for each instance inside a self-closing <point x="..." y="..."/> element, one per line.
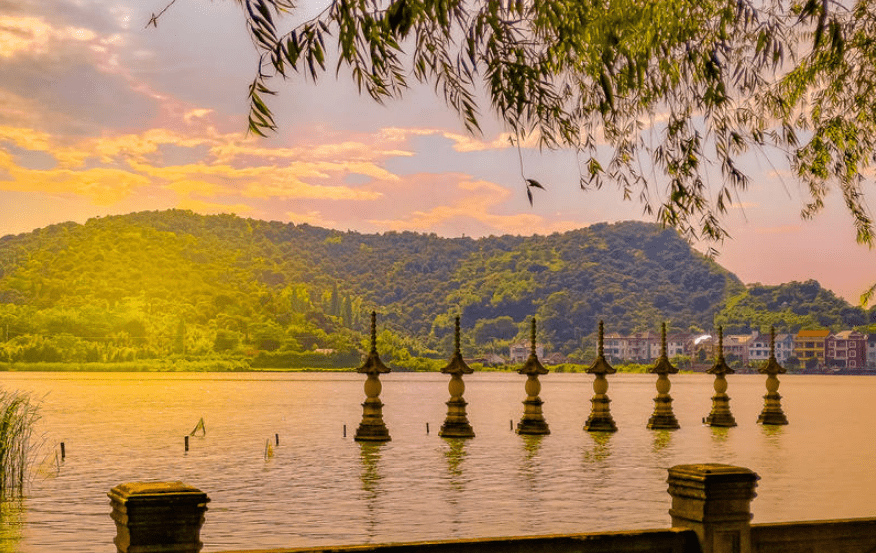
<point x="18" y="416"/>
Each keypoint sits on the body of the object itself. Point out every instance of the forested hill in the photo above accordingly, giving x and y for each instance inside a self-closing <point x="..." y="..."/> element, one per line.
<point x="173" y="283"/>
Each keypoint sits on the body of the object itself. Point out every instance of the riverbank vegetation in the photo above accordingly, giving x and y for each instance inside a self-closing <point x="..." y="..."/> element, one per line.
<point x="18" y="414"/>
<point x="174" y="290"/>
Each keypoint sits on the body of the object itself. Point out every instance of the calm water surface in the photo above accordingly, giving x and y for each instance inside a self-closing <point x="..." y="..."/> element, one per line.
<point x="323" y="488"/>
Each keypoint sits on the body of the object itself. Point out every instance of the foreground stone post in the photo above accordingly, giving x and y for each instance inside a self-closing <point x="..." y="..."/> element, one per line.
<point x="720" y="414"/>
<point x="153" y="517"/>
<point x="532" y="423"/>
<point x="663" y="418"/>
<point x="772" y="413"/>
<point x="456" y="423"/>
<point x="600" y="419"/>
<point x="714" y="500"/>
<point x="372" y="428"/>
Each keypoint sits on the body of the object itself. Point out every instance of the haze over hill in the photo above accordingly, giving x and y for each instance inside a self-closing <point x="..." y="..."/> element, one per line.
<point x="173" y="284"/>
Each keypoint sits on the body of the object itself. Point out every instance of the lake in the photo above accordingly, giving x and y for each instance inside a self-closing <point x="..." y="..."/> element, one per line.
<point x="322" y="488"/>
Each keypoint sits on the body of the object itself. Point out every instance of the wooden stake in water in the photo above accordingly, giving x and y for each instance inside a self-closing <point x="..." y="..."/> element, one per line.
<point x="427" y="428"/>
<point x="277" y="439"/>
<point x="345" y="430"/>
<point x="63" y="451"/>
<point x="187" y="443"/>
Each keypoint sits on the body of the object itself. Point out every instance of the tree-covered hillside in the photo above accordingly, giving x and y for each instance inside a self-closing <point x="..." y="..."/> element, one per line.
<point x="173" y="285"/>
<point x="790" y="307"/>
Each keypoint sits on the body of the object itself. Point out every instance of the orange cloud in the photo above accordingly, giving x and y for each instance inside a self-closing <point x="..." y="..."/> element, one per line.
<point x="33" y="35"/>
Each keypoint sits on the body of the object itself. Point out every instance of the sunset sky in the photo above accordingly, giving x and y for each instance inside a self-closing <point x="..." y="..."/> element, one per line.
<point x="100" y="115"/>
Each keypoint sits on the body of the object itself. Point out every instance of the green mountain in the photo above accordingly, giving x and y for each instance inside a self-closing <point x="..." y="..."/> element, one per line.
<point x="790" y="307"/>
<point x="173" y="285"/>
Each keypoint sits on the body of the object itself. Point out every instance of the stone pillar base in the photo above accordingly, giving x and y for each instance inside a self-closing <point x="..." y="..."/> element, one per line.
<point x="533" y="423"/>
<point x="600" y="419"/>
<point x="663" y="418"/>
<point x="372" y="428"/>
<point x="772" y="413"/>
<point x="456" y="423"/>
<point x="720" y="415"/>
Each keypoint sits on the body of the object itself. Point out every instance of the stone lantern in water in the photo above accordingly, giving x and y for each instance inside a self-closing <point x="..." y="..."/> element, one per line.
<point x="772" y="413"/>
<point x="600" y="419"/>
<point x="533" y="422"/>
<point x="456" y="424"/>
<point x="372" y="428"/>
<point x="720" y="415"/>
<point x="663" y="418"/>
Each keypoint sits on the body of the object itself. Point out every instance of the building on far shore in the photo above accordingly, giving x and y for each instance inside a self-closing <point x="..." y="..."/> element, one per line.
<point x="810" y="344"/>
<point x="519" y="352"/>
<point x="846" y="349"/>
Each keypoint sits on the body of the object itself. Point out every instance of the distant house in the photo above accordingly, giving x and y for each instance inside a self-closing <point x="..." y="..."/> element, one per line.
<point x="555" y="358"/>
<point x="737" y="346"/>
<point x="784" y="347"/>
<point x="846" y="349"/>
<point x="759" y="348"/>
<point x="809" y="344"/>
<point x="519" y="352"/>
<point x="633" y="347"/>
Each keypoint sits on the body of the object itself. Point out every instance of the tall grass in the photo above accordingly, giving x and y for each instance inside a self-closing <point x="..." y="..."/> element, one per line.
<point x="18" y="415"/>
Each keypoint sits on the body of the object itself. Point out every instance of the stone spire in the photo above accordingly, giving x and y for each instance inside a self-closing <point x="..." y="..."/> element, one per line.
<point x="532" y="422"/>
<point x="663" y="418"/>
<point x="600" y="419"/>
<point x="772" y="413"/>
<point x="456" y="423"/>
<point x="372" y="427"/>
<point x="720" y="414"/>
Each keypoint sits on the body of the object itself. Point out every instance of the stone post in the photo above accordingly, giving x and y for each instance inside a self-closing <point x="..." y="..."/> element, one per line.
<point x="153" y="517"/>
<point x="372" y="428"/>
<point x="720" y="415"/>
<point x="663" y="418"/>
<point x="714" y="500"/>
<point x="532" y="423"/>
<point x="456" y="423"/>
<point x="600" y="419"/>
<point x="772" y="413"/>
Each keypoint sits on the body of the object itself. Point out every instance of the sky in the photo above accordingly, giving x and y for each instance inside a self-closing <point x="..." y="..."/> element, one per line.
<point x="100" y="115"/>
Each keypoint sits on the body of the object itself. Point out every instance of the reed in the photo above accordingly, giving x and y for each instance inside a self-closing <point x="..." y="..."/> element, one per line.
<point x="18" y="416"/>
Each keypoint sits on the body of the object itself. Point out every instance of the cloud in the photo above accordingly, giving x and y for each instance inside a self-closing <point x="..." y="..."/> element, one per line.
<point x="473" y="205"/>
<point x="34" y="36"/>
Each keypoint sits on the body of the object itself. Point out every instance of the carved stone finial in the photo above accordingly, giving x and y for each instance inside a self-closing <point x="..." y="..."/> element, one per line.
<point x="372" y="427"/>
<point x="663" y="418"/>
<point x="772" y="342"/>
<point x="600" y="419"/>
<point x="720" y="414"/>
<point x="663" y="341"/>
<point x="772" y="413"/>
<point x="532" y="422"/>
<point x="374" y="332"/>
<point x="456" y="423"/>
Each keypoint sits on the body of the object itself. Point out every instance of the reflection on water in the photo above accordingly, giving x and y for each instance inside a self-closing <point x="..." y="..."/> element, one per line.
<point x="662" y="440"/>
<point x="370" y="455"/>
<point x="11" y="523"/>
<point x="601" y="448"/>
<point x="455" y="455"/>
